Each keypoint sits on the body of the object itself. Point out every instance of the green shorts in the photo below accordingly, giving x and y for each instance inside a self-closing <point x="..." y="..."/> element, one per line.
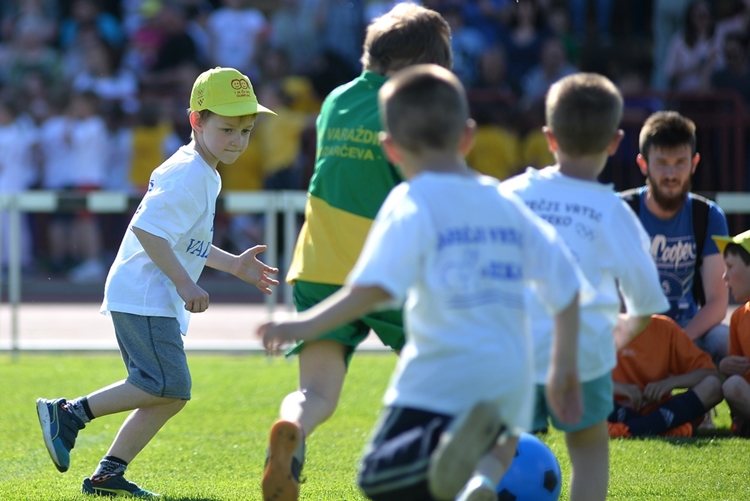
<point x="387" y="324"/>
<point x="597" y="405"/>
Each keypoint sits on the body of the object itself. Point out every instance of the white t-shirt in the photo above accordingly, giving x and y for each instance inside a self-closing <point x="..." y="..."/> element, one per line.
<point x="461" y="255"/>
<point x="609" y="244"/>
<point x="179" y="206"/>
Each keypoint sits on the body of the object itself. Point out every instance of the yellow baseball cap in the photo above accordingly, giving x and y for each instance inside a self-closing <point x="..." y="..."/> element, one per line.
<point x="742" y="239"/>
<point x="226" y="92"/>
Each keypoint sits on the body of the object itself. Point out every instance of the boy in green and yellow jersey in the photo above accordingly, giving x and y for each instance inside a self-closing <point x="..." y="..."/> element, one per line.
<point x="351" y="180"/>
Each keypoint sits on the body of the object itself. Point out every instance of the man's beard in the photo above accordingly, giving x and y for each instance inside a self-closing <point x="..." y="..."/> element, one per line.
<point x="668" y="203"/>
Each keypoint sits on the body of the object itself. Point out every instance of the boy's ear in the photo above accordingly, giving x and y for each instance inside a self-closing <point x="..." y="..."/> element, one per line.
<point x="390" y="148"/>
<point x="551" y="139"/>
<point x="615" y="143"/>
<point x="468" y="136"/>
<point x="195" y="121"/>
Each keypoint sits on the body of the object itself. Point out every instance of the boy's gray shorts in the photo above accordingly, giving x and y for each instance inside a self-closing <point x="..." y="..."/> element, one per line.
<point x="154" y="354"/>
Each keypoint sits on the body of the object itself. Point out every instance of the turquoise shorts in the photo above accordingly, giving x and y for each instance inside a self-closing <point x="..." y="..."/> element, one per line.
<point x="388" y="325"/>
<point x="597" y="405"/>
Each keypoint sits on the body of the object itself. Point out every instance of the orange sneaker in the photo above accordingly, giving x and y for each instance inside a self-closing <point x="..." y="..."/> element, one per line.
<point x="618" y="430"/>
<point x="682" y="431"/>
<point x="286" y="455"/>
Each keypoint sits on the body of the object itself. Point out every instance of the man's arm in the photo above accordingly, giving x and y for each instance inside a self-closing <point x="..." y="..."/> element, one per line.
<point x="347" y="304"/>
<point x="717" y="298"/>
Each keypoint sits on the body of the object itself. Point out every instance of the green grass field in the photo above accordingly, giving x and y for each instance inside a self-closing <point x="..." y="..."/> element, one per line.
<point x="214" y="449"/>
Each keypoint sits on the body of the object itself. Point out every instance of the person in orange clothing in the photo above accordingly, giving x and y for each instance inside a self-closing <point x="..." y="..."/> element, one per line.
<point x="661" y="359"/>
<point x="736" y="366"/>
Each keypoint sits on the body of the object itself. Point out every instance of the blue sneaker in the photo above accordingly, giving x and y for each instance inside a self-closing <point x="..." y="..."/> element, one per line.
<point x="59" y="428"/>
<point x="115" y="486"/>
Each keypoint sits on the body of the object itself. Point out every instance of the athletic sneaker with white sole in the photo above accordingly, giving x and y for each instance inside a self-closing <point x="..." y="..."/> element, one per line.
<point x="115" y="486"/>
<point x="460" y="448"/>
<point x="59" y="428"/>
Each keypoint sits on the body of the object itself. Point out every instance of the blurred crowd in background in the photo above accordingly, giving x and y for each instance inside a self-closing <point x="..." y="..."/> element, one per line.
<point x="93" y="93"/>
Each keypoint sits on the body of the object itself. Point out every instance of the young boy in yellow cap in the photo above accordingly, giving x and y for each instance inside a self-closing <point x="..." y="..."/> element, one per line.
<point x="151" y="288"/>
<point x="736" y="366"/>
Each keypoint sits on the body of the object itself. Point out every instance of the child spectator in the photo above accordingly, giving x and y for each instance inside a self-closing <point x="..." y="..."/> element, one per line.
<point x="461" y="269"/>
<point x="583" y="112"/>
<point x="151" y="289"/>
<point x="151" y="129"/>
<point x="350" y="182"/>
<point x="736" y="366"/>
<point x="657" y="362"/>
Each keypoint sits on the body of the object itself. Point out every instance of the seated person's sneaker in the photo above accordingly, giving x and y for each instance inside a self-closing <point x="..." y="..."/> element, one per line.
<point x="286" y="456"/>
<point x="684" y="430"/>
<point x="59" y="428"/>
<point x="479" y="488"/>
<point x="114" y="486"/>
<point x="740" y="428"/>
<point x="461" y="446"/>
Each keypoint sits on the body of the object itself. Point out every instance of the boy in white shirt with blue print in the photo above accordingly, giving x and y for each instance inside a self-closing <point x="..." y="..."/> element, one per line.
<point x="583" y="112"/>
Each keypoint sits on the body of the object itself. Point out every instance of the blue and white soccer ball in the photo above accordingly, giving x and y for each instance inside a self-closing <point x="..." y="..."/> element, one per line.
<point x="534" y="474"/>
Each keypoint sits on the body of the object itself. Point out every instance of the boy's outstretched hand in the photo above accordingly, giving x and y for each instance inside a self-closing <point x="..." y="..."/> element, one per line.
<point x="277" y="334"/>
<point x="252" y="270"/>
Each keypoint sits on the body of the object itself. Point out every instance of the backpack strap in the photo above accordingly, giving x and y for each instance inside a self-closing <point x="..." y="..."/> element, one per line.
<point x="633" y="198"/>
<point x="700" y="227"/>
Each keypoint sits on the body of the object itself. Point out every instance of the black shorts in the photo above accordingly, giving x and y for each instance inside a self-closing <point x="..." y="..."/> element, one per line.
<point x="394" y="466"/>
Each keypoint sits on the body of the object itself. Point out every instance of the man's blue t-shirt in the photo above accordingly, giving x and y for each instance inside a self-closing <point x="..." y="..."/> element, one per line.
<point x="674" y="251"/>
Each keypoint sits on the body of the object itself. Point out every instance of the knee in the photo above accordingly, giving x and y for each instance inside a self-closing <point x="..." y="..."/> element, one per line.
<point x="734" y="388"/>
<point x="711" y="391"/>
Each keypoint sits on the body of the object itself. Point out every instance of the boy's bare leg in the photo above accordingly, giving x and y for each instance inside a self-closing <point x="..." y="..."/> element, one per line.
<point x="151" y="412"/>
<point x="495" y="463"/>
<point x="322" y="369"/>
<point x="737" y="392"/>
<point x="140" y="427"/>
<point x="589" y="458"/>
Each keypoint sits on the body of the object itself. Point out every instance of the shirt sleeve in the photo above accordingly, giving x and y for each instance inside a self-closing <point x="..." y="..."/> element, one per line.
<point x="717" y="225"/>
<point x="395" y="246"/>
<point x="636" y="271"/>
<point x="168" y="211"/>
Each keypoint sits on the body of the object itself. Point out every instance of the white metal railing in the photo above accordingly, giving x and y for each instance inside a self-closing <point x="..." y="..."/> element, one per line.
<point x="269" y="203"/>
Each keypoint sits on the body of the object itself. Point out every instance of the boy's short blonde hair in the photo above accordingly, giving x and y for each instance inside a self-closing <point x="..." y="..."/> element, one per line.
<point x="407" y="34"/>
<point x="583" y="111"/>
<point x="424" y="107"/>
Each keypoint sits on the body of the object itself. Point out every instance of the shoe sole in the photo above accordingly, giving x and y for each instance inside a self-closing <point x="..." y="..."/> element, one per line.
<point x="45" y="420"/>
<point x="88" y="488"/>
<point x="460" y="448"/>
<point x="278" y="482"/>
